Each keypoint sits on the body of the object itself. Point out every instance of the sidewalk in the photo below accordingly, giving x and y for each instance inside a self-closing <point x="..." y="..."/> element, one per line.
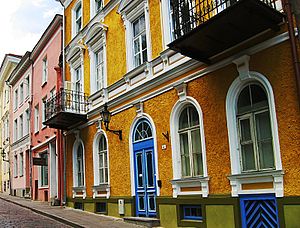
<point x="68" y="216"/>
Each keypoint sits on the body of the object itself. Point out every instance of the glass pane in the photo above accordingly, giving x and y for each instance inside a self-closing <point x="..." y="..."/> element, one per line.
<point x="263" y="127"/>
<point x="137" y="60"/>
<point x="151" y="203"/>
<point x="136" y="46"/>
<point x="244" y="102"/>
<point x="144" y="53"/>
<point x="248" y="157"/>
<point x="245" y="130"/>
<point x="106" y="175"/>
<point x="144" y="42"/>
<point x="197" y="156"/>
<point x="183" y="119"/>
<point x="101" y="164"/>
<point x="266" y="156"/>
<point x="259" y="97"/>
<point x="142" y="23"/>
<point x="185" y="158"/>
<point x="150" y="169"/>
<point x="139" y="169"/>
<point x="101" y="175"/>
<point x="141" y="203"/>
<point x="79" y="180"/>
<point x="194" y="117"/>
<point x="136" y="29"/>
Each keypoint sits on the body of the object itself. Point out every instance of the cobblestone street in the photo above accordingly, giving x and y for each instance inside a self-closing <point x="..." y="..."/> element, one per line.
<point x="12" y="215"/>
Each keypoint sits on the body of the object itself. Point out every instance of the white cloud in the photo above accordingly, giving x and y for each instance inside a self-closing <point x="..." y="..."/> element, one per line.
<point x="23" y="22"/>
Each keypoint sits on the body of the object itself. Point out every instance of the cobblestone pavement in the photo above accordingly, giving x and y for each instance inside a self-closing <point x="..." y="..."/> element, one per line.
<point x="12" y="215"/>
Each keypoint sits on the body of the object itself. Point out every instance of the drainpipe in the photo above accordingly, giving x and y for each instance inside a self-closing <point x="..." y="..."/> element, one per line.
<point x="290" y="23"/>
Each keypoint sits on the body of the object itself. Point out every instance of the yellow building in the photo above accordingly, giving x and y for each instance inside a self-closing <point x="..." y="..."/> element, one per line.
<point x="183" y="111"/>
<point x="9" y="63"/>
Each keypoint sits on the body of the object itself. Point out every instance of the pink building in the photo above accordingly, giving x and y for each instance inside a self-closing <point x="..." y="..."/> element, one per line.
<point x="19" y="81"/>
<point x="46" y="182"/>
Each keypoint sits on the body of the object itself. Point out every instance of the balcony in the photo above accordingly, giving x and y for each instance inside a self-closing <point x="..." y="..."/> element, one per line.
<point x="66" y="109"/>
<point x="206" y="29"/>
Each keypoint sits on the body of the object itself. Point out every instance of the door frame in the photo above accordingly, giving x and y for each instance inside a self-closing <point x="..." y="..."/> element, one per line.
<point x="131" y="151"/>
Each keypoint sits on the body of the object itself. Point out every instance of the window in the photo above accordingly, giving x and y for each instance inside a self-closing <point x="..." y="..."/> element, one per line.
<point x="21" y="126"/>
<point x="102" y="156"/>
<point x="254" y="129"/>
<point x="15" y="165"/>
<point x="101" y="207"/>
<point x="77" y="18"/>
<point x="21" y="164"/>
<point x="99" y="57"/>
<point x="27" y="86"/>
<point x="44" y="111"/>
<point x="136" y="20"/>
<point x="190" y="143"/>
<point x="15" y="129"/>
<point x="21" y="93"/>
<point x="78" y="82"/>
<point x="139" y="41"/>
<point x="79" y="165"/>
<point x="27" y="122"/>
<point x="44" y="170"/>
<point x="16" y="98"/>
<point x="45" y="71"/>
<point x="191" y="212"/>
<point x="99" y="5"/>
<point x="36" y="118"/>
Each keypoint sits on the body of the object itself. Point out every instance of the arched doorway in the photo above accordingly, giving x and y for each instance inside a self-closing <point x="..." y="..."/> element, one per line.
<point x="144" y="169"/>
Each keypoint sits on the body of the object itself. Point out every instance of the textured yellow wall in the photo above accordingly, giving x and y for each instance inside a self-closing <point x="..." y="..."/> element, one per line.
<point x="155" y="27"/>
<point x="115" y="48"/>
<point x="86" y="74"/>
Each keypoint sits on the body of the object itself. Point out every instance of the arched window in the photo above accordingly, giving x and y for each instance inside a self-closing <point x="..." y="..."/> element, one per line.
<point x="79" y="165"/>
<point x="142" y="131"/>
<point x="190" y="142"/>
<point x="102" y="159"/>
<point x="255" y="133"/>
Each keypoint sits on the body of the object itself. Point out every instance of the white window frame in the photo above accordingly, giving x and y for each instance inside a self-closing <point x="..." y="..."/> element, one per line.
<point x="74" y="19"/>
<point x="130" y="13"/>
<point x="44" y="111"/>
<point x="16" y="99"/>
<point x="97" y="185"/>
<point x="36" y="119"/>
<point x="21" y="89"/>
<point x="178" y="181"/>
<point x="96" y="40"/>
<point x="21" y="127"/>
<point x="237" y="177"/>
<point x="76" y="188"/>
<point x="15" y="129"/>
<point x="166" y="23"/>
<point x="16" y="165"/>
<point x="45" y="71"/>
<point x="27" y="86"/>
<point x="21" y="162"/>
<point x="75" y="58"/>
<point x="93" y="7"/>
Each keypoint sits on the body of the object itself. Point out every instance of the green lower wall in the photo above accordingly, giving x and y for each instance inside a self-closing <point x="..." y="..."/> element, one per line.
<point x="168" y="216"/>
<point x="292" y="216"/>
<point x="90" y="207"/>
<point x="220" y="216"/>
<point x="113" y="210"/>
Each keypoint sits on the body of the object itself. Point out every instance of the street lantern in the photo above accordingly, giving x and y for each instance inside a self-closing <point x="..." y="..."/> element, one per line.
<point x="106" y="116"/>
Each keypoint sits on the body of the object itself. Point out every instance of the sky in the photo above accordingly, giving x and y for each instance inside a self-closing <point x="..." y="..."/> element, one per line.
<point x="22" y="22"/>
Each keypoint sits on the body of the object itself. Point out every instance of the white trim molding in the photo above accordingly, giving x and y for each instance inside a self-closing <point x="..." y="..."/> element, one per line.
<point x="98" y="188"/>
<point x="130" y="11"/>
<point x="78" y="191"/>
<point x="95" y="39"/>
<point x="237" y="176"/>
<point x="178" y="182"/>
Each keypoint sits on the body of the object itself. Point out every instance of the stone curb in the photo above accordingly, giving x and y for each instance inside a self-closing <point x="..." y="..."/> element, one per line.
<point x="55" y="217"/>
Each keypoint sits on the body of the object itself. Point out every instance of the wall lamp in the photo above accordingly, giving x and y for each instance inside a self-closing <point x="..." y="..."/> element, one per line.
<point x="3" y="155"/>
<point x="106" y="115"/>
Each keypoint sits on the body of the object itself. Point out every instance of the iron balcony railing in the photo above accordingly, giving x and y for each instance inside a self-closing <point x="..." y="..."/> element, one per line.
<point x="189" y="14"/>
<point x="66" y="101"/>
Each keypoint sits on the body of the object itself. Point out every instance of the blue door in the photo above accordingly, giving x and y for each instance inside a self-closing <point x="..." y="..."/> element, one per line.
<point x="144" y="169"/>
<point x="259" y="211"/>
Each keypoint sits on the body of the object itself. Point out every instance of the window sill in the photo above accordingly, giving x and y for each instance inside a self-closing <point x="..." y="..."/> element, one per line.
<point x="36" y="132"/>
<point x="101" y="190"/>
<point x="79" y="192"/>
<point x="43" y="187"/>
<point x="21" y="104"/>
<point x="267" y="181"/>
<point x="190" y="186"/>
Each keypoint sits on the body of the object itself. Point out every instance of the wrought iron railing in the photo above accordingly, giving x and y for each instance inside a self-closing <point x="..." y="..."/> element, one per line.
<point x="189" y="14"/>
<point x="66" y="101"/>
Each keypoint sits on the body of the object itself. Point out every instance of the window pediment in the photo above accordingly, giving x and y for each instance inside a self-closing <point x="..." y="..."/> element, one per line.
<point x="75" y="54"/>
<point x="95" y="35"/>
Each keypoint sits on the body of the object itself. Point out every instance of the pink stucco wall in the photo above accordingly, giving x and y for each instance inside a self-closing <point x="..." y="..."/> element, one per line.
<point x="45" y="135"/>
